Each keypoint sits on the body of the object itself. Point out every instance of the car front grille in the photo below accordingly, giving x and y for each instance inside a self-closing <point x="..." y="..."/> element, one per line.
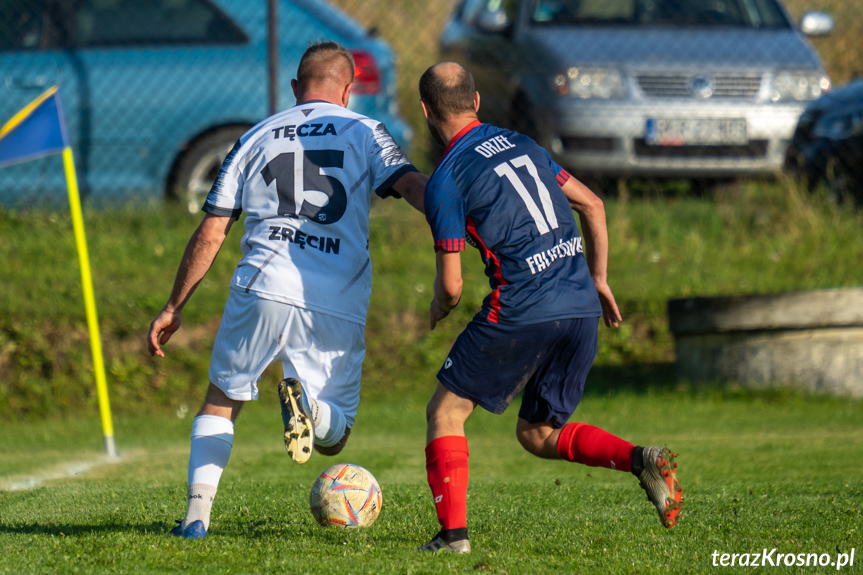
<point x="590" y="144"/>
<point x="752" y="150"/>
<point x="725" y="87"/>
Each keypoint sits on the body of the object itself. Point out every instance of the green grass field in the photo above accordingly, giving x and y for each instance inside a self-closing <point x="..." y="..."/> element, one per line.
<point x="752" y="238"/>
<point x="767" y="471"/>
<point x="760" y="470"/>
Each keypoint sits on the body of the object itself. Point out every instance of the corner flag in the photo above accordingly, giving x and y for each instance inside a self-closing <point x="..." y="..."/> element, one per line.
<point x="39" y="130"/>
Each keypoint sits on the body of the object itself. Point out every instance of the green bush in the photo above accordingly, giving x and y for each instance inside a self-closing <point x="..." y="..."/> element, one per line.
<point x="753" y="238"/>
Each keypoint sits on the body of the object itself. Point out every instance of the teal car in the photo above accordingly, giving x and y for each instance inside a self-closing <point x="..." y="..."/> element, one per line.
<point x="155" y="92"/>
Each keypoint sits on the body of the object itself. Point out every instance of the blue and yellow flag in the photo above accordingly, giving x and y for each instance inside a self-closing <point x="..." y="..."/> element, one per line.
<point x="35" y="131"/>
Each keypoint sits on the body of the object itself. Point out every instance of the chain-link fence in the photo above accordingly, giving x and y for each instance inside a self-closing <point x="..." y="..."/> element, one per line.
<point x="156" y="91"/>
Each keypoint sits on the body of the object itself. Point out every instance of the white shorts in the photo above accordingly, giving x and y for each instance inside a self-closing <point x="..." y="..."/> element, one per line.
<point x="324" y="352"/>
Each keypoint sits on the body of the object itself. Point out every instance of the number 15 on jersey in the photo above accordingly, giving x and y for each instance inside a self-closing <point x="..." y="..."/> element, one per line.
<point x="304" y="189"/>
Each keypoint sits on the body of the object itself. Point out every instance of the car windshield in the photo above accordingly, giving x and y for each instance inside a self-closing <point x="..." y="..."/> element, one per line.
<point x="733" y="13"/>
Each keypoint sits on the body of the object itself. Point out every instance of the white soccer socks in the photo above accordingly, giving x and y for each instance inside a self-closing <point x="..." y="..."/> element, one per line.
<point x="212" y="439"/>
<point x="200" y="505"/>
<point x="330" y="422"/>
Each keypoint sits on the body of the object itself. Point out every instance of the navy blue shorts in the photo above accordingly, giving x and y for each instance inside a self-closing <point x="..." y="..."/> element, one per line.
<point x="491" y="363"/>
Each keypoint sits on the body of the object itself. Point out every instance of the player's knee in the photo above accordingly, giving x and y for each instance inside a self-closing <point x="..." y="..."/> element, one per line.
<point x="441" y="418"/>
<point x="530" y="441"/>
<point x="219" y="404"/>
<point x="432" y="410"/>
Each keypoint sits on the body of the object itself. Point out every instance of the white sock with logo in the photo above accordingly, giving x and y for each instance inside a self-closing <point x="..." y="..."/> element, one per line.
<point x="330" y="422"/>
<point x="212" y="439"/>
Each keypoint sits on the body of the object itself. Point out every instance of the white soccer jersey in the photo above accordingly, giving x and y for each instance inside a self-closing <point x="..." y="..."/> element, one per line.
<point x="304" y="178"/>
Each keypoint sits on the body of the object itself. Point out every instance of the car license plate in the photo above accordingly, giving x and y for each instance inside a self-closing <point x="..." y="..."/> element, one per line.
<point x="690" y="131"/>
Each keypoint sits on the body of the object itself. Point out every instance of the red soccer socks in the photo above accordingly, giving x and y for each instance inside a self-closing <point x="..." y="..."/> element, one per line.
<point x="447" y="467"/>
<point x="593" y="446"/>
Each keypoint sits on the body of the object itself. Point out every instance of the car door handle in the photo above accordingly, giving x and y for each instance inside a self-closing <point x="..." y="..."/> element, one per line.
<point x="27" y="82"/>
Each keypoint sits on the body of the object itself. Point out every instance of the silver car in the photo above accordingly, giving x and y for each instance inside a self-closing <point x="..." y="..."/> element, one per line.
<point x="682" y="88"/>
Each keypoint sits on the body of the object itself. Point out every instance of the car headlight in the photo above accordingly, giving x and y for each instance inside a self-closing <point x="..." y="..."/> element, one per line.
<point x="839" y="127"/>
<point x="589" y="83"/>
<point x="799" y="86"/>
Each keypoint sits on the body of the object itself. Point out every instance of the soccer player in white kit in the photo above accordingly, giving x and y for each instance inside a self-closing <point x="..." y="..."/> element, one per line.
<point x="300" y="294"/>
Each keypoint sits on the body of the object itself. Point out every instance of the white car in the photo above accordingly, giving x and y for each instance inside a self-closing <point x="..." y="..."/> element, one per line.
<point x="666" y="88"/>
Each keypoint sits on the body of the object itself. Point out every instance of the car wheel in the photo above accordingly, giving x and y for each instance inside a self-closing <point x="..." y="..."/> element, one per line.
<point x="196" y="169"/>
<point x="709" y="187"/>
<point x="841" y="183"/>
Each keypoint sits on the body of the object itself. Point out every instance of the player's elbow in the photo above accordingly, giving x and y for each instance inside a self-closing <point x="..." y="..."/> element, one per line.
<point x="596" y="203"/>
<point x="590" y="206"/>
<point x="213" y="230"/>
<point x="451" y="288"/>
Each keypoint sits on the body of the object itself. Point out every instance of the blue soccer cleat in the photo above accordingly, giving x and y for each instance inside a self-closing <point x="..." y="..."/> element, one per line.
<point x="195" y="530"/>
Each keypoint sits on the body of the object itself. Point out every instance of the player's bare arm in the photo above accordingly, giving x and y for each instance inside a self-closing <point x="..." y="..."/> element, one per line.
<point x="447" y="286"/>
<point x="412" y="187"/>
<point x="201" y="251"/>
<point x="591" y="213"/>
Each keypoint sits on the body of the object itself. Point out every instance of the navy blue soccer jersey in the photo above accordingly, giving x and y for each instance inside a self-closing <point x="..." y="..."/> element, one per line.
<point x="500" y="191"/>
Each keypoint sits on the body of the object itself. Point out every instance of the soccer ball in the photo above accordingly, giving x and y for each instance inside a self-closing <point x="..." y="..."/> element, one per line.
<point x="347" y="496"/>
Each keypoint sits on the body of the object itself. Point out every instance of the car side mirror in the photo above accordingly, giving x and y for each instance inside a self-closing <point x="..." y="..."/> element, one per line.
<point x="816" y="23"/>
<point x="495" y="21"/>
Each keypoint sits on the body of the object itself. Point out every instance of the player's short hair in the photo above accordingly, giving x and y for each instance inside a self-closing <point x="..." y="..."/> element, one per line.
<point x="447" y="96"/>
<point x="324" y="61"/>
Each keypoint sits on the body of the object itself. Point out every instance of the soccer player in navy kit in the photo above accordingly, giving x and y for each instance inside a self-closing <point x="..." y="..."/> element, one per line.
<point x="537" y="330"/>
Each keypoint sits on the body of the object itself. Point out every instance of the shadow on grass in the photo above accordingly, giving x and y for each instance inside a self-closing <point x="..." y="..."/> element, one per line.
<point x="638" y="378"/>
<point x="263" y="528"/>
<point x="660" y="378"/>
<point x="70" y="530"/>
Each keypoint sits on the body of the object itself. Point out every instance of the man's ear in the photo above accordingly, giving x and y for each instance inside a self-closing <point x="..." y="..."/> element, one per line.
<point x="294" y="88"/>
<point x="476" y="102"/>
<point x="346" y="94"/>
<point x="425" y="109"/>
